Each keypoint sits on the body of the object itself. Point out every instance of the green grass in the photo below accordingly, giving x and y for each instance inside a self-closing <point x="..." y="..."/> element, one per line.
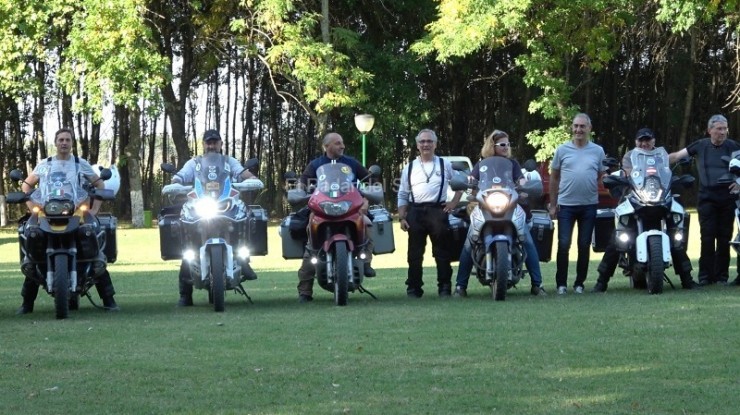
<point x="623" y="352"/>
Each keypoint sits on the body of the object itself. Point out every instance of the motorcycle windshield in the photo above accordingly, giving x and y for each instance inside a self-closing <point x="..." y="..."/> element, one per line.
<point x="212" y="178"/>
<point x="495" y="172"/>
<point x="650" y="169"/>
<point x="334" y="179"/>
<point x="58" y="183"/>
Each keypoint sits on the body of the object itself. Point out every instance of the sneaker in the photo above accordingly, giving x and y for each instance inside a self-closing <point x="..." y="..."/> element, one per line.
<point x="460" y="292"/>
<point x="579" y="289"/>
<point x="305" y="298"/>
<point x="185" y="301"/>
<point x="562" y="290"/>
<point x="600" y="287"/>
<point x="535" y="290"/>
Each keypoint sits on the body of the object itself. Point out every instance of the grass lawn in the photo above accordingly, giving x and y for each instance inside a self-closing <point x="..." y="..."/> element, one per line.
<point x="623" y="352"/>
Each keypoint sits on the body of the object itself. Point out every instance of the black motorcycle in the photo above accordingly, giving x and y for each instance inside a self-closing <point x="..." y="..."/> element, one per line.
<point x="64" y="248"/>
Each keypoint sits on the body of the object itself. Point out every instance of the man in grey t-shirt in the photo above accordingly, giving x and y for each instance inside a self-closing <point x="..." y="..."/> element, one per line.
<point x="575" y="171"/>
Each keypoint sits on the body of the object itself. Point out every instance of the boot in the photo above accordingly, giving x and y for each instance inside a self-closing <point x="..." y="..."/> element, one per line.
<point x="688" y="283"/>
<point x="25" y="308"/>
<point x="248" y="272"/>
<point x="29" y="292"/>
<point x="110" y="304"/>
<point x="186" y="295"/>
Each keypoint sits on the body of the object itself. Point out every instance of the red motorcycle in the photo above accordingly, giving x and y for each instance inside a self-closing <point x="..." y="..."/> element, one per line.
<point x="337" y="232"/>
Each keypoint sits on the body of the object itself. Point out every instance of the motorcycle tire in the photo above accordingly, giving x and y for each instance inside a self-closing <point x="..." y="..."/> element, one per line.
<point x="341" y="279"/>
<point x="217" y="278"/>
<point x="503" y="265"/>
<point x="655" y="265"/>
<point x="61" y="286"/>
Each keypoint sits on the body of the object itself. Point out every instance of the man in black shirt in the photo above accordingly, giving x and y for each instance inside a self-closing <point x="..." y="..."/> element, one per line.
<point x="716" y="202"/>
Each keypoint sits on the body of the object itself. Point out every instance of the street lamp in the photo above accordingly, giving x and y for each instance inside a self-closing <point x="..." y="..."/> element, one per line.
<point x="364" y="123"/>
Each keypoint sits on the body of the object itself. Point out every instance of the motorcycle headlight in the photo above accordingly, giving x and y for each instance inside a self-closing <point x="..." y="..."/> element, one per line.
<point x="207" y="208"/>
<point x="335" y="208"/>
<point x="59" y="208"/>
<point x="653" y="191"/>
<point x="497" y="201"/>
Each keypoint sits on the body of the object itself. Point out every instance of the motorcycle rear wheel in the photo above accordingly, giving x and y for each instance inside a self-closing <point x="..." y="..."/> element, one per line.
<point x="61" y="286"/>
<point x="655" y="265"/>
<point x="217" y="278"/>
<point x="499" y="284"/>
<point x="341" y="279"/>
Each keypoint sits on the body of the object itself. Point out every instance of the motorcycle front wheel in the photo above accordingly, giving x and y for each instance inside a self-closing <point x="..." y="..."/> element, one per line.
<point x="499" y="284"/>
<point x="655" y="265"/>
<point x="217" y="278"/>
<point x="341" y="267"/>
<point x="61" y="286"/>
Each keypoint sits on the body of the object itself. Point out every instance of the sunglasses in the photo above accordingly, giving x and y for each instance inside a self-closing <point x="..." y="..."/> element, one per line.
<point x="504" y="145"/>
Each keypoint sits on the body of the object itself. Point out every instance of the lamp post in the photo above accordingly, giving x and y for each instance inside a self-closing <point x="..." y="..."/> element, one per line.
<point x="364" y="123"/>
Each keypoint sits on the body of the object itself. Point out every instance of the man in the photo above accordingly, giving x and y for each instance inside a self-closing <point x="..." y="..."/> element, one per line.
<point x="716" y="202"/>
<point x="211" y="144"/>
<point x="423" y="213"/>
<point x="644" y="139"/>
<point x="576" y="170"/>
<point x="333" y="145"/>
<point x="72" y="166"/>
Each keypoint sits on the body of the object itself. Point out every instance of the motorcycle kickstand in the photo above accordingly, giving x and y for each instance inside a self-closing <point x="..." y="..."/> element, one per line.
<point x="240" y="289"/>
<point x="362" y="290"/>
<point x="668" y="280"/>
<point x="94" y="304"/>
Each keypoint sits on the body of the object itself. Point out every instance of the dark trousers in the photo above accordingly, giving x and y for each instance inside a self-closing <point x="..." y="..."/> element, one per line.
<point x="428" y="221"/>
<point x="568" y="217"/>
<point x="716" y="227"/>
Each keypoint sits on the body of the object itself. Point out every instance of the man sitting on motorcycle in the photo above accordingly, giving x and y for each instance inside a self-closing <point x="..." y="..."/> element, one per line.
<point x="211" y="144"/>
<point x="333" y="151"/>
<point x="644" y="139"/>
<point x="73" y="165"/>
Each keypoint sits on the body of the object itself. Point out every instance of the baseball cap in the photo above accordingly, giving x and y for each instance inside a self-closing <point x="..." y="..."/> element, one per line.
<point x="211" y="135"/>
<point x="644" y="134"/>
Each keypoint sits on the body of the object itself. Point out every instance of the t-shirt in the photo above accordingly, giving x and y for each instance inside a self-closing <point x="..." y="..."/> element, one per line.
<point x="309" y="173"/>
<point x="426" y="180"/>
<point x="711" y="167"/>
<point x="579" y="172"/>
<point x="187" y="173"/>
<point x="74" y="171"/>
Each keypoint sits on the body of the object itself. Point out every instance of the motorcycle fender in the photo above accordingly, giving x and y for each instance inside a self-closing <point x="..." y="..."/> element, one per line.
<point x="490" y="239"/>
<point x="642" y="246"/>
<point x="205" y="259"/>
<point x="335" y="238"/>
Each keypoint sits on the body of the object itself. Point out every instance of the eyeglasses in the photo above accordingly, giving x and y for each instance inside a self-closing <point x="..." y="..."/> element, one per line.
<point x="426" y="141"/>
<point x="504" y="145"/>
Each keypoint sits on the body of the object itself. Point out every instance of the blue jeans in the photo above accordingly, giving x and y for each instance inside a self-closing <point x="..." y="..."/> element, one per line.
<point x="568" y="217"/>
<point x="532" y="262"/>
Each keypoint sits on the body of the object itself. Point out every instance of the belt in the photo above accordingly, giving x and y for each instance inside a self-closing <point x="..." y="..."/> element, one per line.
<point x="427" y="205"/>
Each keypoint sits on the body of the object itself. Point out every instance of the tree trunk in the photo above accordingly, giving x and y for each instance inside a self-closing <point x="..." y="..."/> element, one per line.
<point x="134" y="169"/>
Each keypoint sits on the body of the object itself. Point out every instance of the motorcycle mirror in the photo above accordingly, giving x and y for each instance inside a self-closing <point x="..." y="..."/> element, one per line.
<point x="460" y="182"/>
<point x="374" y="170"/>
<point x="611" y="182"/>
<point x="16" y="175"/>
<point x="610" y="162"/>
<point x="105" y="174"/>
<point x="530" y="165"/>
<point x="290" y="175"/>
<point x="252" y="165"/>
<point x="168" y="168"/>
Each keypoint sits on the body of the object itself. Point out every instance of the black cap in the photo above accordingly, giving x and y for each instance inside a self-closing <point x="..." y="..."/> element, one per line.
<point x="211" y="135"/>
<point x="644" y="134"/>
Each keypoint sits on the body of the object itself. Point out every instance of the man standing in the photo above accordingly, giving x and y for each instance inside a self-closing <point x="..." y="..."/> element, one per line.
<point x="333" y="152"/>
<point x="645" y="140"/>
<point x="716" y="202"/>
<point x="423" y="213"/>
<point x="75" y="168"/>
<point x="575" y="173"/>
<point x="211" y="144"/>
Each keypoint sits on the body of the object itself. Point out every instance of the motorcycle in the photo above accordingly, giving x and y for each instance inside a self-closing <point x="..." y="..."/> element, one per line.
<point x="337" y="232"/>
<point x="216" y="231"/>
<point x="733" y="176"/>
<point x="500" y="223"/>
<point x="649" y="221"/>
<point x="64" y="247"/>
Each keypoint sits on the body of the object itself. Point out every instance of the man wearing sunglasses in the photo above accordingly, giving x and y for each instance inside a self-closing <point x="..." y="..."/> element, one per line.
<point x="575" y="171"/>
<point x="423" y="213"/>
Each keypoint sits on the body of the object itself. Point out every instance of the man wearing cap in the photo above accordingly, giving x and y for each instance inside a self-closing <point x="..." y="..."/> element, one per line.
<point x="211" y="144"/>
<point x="645" y="140"/>
<point x="716" y="202"/>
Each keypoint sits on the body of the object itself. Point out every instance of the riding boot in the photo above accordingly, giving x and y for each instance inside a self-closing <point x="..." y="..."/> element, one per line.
<point x="186" y="288"/>
<point x="29" y="292"/>
<point x="688" y="283"/>
<point x="369" y="271"/>
<point x="105" y="289"/>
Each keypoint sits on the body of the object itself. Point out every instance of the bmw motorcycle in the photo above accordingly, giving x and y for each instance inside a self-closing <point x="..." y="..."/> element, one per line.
<point x="498" y="224"/>
<point x="649" y="221"/>
<point x="337" y="232"/>
<point x="215" y="227"/>
<point x="62" y="245"/>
